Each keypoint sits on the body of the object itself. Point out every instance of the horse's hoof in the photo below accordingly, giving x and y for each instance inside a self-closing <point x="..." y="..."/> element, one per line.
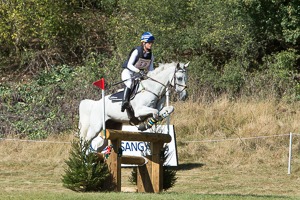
<point x="97" y="143"/>
<point x="142" y="127"/>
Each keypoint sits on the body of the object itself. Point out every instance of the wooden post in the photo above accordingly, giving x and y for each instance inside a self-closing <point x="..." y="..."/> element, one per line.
<point x="114" y="165"/>
<point x="144" y="174"/>
<point x="157" y="167"/>
<point x="126" y="159"/>
<point x="149" y="176"/>
<point x="134" y="160"/>
<point x="137" y="136"/>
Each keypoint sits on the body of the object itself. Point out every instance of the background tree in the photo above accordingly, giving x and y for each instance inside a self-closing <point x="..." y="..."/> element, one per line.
<point x="239" y="48"/>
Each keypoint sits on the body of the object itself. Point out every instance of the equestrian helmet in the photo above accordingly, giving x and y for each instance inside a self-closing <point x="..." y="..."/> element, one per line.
<point x="147" y="37"/>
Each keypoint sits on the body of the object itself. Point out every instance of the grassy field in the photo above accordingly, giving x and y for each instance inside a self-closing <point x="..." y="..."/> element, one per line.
<point x="237" y="164"/>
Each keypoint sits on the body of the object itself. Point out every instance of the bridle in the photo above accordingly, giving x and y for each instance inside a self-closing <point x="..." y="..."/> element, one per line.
<point x="177" y="84"/>
<point x="164" y="90"/>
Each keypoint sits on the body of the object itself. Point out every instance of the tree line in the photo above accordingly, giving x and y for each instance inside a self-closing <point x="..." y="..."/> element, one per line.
<point x="236" y="47"/>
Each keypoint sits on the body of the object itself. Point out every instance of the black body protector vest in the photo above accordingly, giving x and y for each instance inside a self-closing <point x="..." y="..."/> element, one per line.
<point x="142" y="61"/>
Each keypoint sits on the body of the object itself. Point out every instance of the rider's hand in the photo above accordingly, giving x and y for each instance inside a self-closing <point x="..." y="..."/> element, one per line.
<point x="142" y="74"/>
<point x="137" y="70"/>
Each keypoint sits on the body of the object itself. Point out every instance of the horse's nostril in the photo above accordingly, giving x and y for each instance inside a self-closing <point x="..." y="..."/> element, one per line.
<point x="183" y="96"/>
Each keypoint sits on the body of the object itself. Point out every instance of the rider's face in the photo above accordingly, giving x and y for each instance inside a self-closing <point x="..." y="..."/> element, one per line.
<point x="148" y="45"/>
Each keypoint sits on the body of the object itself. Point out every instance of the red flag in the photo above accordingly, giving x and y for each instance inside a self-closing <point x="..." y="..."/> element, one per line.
<point x="100" y="83"/>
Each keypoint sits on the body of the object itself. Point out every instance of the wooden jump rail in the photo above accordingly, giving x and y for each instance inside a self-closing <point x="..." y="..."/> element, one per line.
<point x="149" y="175"/>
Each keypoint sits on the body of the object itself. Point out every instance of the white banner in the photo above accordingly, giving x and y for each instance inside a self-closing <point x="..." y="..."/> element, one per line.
<point x="138" y="148"/>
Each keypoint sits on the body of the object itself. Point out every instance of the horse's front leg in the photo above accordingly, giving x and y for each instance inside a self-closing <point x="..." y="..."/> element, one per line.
<point x="159" y="116"/>
<point x="142" y="111"/>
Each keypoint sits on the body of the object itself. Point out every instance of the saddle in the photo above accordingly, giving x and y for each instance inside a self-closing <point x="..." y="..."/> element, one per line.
<point x="118" y="97"/>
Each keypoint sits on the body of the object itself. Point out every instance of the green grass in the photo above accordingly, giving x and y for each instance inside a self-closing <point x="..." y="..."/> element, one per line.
<point x="130" y="196"/>
<point x="236" y="169"/>
<point x="195" y="181"/>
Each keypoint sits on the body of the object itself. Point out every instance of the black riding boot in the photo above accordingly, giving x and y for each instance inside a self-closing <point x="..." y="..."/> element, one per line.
<point x="125" y="101"/>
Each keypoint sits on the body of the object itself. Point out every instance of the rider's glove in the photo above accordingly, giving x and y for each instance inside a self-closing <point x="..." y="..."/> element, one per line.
<point x="143" y="74"/>
<point x="137" y="70"/>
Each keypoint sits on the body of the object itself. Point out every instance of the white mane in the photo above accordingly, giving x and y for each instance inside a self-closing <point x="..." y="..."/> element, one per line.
<point x="161" y="67"/>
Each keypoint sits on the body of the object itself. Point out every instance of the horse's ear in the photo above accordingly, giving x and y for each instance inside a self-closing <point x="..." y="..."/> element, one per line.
<point x="186" y="65"/>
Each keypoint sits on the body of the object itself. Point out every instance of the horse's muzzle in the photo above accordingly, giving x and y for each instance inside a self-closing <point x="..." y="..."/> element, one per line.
<point x="183" y="95"/>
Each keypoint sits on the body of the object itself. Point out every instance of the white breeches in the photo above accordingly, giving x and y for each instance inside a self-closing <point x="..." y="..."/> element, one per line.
<point x="126" y="75"/>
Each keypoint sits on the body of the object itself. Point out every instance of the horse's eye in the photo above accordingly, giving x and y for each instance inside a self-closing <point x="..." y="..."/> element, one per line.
<point x="179" y="78"/>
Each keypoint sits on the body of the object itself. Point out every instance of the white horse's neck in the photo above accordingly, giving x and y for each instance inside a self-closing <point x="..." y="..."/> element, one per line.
<point x="159" y="79"/>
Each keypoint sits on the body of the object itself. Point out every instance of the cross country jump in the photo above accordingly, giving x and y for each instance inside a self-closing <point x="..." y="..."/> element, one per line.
<point x="148" y="103"/>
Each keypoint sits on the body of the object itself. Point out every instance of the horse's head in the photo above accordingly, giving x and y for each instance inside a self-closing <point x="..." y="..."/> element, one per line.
<point x="170" y="74"/>
<point x="180" y="80"/>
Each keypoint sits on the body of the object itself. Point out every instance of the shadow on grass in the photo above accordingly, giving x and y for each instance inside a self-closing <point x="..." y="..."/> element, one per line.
<point x="189" y="166"/>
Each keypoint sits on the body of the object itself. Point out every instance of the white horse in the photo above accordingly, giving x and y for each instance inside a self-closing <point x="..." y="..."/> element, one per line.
<point x="148" y="102"/>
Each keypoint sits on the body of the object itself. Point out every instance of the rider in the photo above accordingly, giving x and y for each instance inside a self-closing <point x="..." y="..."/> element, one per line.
<point x="140" y="59"/>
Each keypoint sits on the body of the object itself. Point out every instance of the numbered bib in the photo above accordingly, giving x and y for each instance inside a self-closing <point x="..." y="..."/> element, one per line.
<point x="142" y="63"/>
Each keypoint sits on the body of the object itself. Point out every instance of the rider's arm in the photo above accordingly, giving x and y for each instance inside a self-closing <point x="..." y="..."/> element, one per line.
<point x="131" y="60"/>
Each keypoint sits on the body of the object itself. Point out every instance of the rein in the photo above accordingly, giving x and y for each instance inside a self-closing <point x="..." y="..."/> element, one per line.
<point x="165" y="86"/>
<point x="157" y="95"/>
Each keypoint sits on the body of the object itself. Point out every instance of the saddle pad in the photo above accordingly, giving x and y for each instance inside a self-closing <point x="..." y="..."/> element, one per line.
<point x="117" y="97"/>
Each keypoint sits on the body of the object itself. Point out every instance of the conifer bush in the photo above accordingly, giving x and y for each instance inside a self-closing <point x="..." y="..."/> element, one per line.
<point x="85" y="172"/>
